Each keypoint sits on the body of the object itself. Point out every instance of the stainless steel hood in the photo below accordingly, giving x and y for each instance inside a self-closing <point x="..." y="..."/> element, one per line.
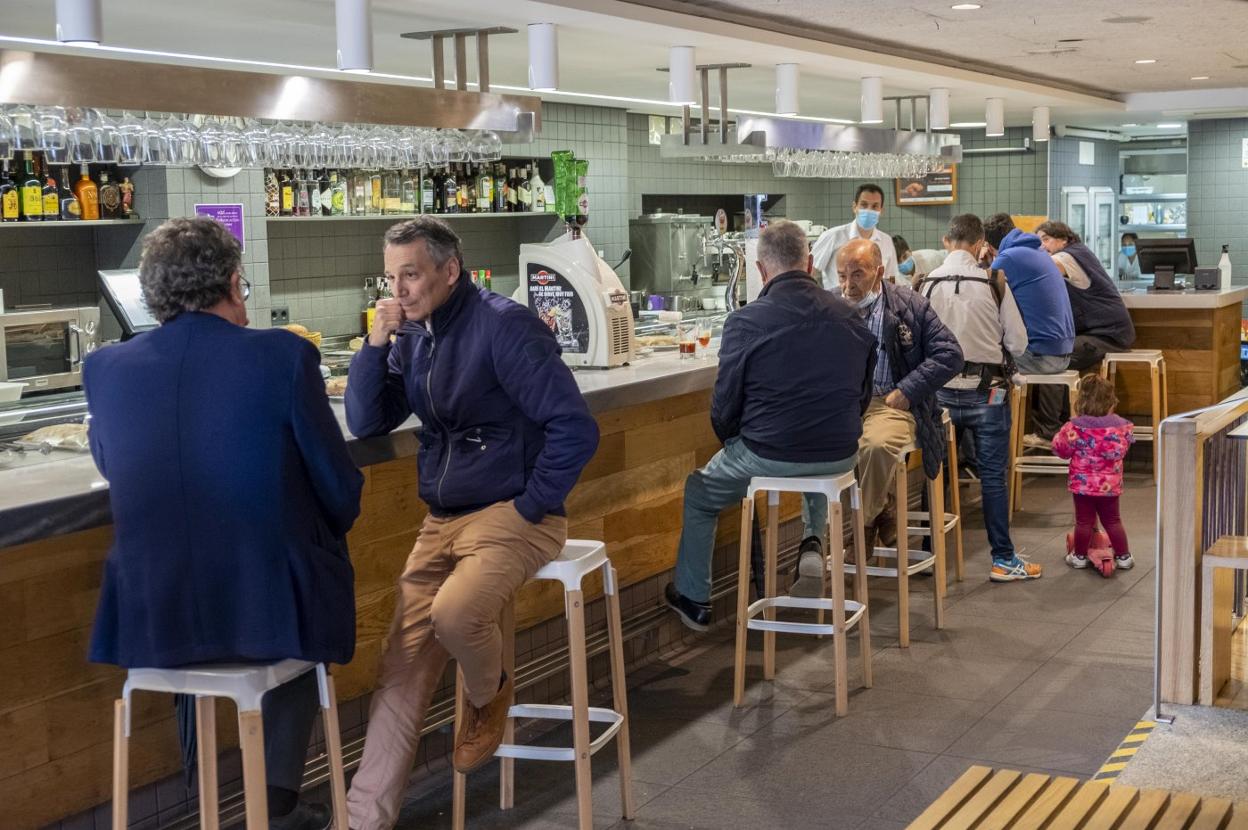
<point x="56" y="79"/>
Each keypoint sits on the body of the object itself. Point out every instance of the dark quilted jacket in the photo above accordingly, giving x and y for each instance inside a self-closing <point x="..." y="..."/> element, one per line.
<point x="924" y="356"/>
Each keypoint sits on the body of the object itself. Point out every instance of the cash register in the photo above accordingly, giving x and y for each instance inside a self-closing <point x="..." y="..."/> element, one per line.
<point x="1167" y="259"/>
<point x="124" y="296"/>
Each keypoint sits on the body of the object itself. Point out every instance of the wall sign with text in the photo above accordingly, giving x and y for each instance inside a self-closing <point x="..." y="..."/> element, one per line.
<point x="939" y="188"/>
<point x="230" y="215"/>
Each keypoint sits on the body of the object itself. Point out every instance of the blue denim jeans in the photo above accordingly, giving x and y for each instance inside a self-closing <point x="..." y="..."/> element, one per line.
<point x="723" y="482"/>
<point x="990" y="424"/>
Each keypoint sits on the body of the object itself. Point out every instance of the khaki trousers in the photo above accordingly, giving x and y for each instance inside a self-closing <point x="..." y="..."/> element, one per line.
<point x="461" y="574"/>
<point x="884" y="432"/>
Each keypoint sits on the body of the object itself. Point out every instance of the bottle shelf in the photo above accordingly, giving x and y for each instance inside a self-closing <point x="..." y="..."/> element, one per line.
<point x="400" y="216"/>
<point x="1152" y="227"/>
<point x="69" y="223"/>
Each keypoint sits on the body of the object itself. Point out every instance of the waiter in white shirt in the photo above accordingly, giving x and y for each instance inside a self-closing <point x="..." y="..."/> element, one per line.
<point x="868" y="207"/>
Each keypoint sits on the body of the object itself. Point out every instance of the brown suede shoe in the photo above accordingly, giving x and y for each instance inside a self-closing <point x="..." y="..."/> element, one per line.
<point x="886" y="525"/>
<point x="482" y="732"/>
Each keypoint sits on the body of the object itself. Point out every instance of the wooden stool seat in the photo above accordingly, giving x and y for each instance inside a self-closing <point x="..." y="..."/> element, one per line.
<point x="1229" y="553"/>
<point x="846" y="614"/>
<point x="577" y="560"/>
<point x="917" y="561"/>
<point x="1021" y="464"/>
<point x="1156" y="363"/>
<point x="246" y="685"/>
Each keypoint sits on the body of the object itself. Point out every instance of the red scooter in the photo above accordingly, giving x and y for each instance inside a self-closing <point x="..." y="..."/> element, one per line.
<point x="1100" y="553"/>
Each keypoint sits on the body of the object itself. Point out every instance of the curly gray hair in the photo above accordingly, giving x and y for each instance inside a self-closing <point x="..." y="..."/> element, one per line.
<point x="187" y="265"/>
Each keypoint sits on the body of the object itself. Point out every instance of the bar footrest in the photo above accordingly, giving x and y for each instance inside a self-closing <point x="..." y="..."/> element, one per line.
<point x="544" y="711"/>
<point x="920" y="560"/>
<point x="853" y="613"/>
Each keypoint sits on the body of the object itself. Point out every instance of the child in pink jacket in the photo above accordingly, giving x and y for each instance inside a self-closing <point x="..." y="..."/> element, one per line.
<point x="1096" y="441"/>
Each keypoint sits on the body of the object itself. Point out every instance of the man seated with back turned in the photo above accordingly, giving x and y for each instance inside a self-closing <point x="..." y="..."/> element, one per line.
<point x="917" y="355"/>
<point x="794" y="379"/>
<point x="504" y="435"/>
<point x="232" y="493"/>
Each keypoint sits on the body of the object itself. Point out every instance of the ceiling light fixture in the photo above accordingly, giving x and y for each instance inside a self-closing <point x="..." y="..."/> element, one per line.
<point x="1130" y="125"/>
<point x="1040" y="124"/>
<point x="1169" y="126"/>
<point x="968" y="125"/>
<point x="1147" y="60"/>
<point x="79" y="22"/>
<point x="938" y="108"/>
<point x="994" y="114"/>
<point x="682" y="67"/>
<point x="788" y="77"/>
<point x="871" y="103"/>
<point x="543" y="57"/>
<point x="965" y="7"/>
<point x="1200" y="77"/>
<point x="354" y="20"/>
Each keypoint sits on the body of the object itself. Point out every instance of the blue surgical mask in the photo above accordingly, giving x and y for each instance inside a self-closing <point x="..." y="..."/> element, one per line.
<point x="868" y="219"/>
<point x="869" y="300"/>
<point x="1129" y="250"/>
<point x="906" y="267"/>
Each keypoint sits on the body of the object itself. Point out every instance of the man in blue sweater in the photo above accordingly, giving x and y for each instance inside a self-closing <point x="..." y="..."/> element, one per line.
<point x="504" y="435"/>
<point x="781" y="407"/>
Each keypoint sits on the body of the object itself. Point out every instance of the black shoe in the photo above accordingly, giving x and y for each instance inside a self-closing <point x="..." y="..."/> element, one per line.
<point x="305" y="816"/>
<point x="695" y="615"/>
<point x="808" y="581"/>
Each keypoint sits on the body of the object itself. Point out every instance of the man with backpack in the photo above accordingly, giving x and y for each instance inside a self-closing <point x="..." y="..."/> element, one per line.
<point x="978" y="307"/>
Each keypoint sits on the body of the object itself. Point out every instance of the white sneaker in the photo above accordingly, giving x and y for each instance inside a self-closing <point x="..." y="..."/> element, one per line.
<point x="1124" y="563"/>
<point x="1035" y="442"/>
<point x="1076" y="561"/>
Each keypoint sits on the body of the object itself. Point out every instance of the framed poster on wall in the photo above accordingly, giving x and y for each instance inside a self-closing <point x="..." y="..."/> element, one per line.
<point x="939" y="188"/>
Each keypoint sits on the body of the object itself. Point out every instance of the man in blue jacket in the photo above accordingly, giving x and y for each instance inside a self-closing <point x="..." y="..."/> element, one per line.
<point x="794" y="379"/>
<point x="232" y="493"/>
<point x="504" y="435"/>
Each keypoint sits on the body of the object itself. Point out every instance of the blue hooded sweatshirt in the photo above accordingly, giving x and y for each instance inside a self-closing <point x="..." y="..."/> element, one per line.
<point x="1040" y="292"/>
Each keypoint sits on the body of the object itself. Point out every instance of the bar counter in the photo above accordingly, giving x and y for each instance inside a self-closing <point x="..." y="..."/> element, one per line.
<point x="55" y="707"/>
<point x="1198" y="331"/>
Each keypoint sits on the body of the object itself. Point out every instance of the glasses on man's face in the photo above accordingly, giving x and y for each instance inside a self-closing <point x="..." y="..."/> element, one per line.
<point x="244" y="286"/>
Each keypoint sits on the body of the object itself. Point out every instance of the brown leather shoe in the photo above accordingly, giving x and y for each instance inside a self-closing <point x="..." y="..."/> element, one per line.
<point x="482" y="732"/>
<point x="886" y="525"/>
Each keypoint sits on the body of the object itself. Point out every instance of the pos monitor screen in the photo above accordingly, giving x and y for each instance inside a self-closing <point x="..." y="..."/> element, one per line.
<point x="1179" y="254"/>
<point x="125" y="298"/>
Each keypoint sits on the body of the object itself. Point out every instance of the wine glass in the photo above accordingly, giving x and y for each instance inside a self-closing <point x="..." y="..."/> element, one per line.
<point x="7" y="138"/>
<point x="52" y="133"/>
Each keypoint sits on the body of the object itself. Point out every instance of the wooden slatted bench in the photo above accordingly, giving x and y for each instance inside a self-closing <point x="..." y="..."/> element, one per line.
<point x="984" y="799"/>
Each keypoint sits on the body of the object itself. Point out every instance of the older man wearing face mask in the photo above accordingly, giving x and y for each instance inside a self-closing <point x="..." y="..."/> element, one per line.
<point x="868" y="207"/>
<point x="917" y="356"/>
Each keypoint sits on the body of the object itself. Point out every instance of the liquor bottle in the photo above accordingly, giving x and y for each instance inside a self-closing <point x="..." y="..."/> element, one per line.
<point x="376" y="199"/>
<point x="327" y="194"/>
<point x="68" y="202"/>
<point x="127" y="198"/>
<point x="391" y="193"/>
<point x="337" y="195"/>
<point x="110" y="197"/>
<point x="524" y="196"/>
<point x="88" y="195"/>
<point x="581" y="166"/>
<point x="286" y="195"/>
<point x="10" y="198"/>
<point x="303" y="199"/>
<point x="485" y="189"/>
<point x="357" y="191"/>
<point x="272" y="194"/>
<point x="428" y="185"/>
<point x="489" y="280"/>
<point x="450" y="192"/>
<point x="51" y="198"/>
<point x="466" y="190"/>
<point x="313" y="185"/>
<point x="32" y="192"/>
<point x="502" y="189"/>
<point x="537" y="191"/>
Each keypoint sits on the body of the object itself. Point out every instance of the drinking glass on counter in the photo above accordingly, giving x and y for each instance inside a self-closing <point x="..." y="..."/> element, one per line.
<point x="687" y="337"/>
<point x="704" y="337"/>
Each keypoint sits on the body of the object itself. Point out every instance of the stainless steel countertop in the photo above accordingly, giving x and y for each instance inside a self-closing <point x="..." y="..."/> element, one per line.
<point x="69" y="495"/>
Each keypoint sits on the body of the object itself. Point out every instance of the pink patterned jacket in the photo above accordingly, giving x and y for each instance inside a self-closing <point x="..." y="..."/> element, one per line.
<point x="1095" y="447"/>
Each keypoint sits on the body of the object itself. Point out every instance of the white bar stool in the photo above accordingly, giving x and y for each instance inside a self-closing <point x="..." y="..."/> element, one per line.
<point x="918" y="560"/>
<point x="246" y="685"/>
<point x="578" y="559"/>
<point x="1160" y="392"/>
<point x="1021" y="464"/>
<point x="845" y="613"/>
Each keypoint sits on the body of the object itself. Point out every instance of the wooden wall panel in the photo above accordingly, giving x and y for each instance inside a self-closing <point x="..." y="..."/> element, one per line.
<point x="1202" y="358"/>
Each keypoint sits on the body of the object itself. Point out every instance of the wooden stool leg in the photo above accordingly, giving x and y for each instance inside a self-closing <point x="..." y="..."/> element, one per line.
<point x="333" y="749"/>
<point x="955" y="505"/>
<point x="1155" y="377"/>
<point x="840" y="644"/>
<point x="459" y="781"/>
<point x="206" y="758"/>
<point x="579" y="670"/>
<point x="903" y="557"/>
<point x="619" y="695"/>
<point x="769" y="581"/>
<point x="1016" y="446"/>
<point x="743" y="601"/>
<point x="507" y="766"/>
<point x="251" y="739"/>
<point x="121" y="765"/>
<point x="860" y="584"/>
<point x="936" y="502"/>
<point x="823" y="572"/>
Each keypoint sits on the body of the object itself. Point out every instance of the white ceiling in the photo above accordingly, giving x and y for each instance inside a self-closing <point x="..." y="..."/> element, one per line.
<point x="613" y="48"/>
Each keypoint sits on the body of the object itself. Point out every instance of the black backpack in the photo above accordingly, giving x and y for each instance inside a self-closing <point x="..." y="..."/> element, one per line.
<point x="1007" y="367"/>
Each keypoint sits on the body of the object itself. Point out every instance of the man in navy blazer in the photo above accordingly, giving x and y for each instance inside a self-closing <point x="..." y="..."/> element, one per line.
<point x="232" y="492"/>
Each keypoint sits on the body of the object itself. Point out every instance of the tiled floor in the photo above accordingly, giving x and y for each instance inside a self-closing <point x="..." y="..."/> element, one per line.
<point x="1046" y="676"/>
